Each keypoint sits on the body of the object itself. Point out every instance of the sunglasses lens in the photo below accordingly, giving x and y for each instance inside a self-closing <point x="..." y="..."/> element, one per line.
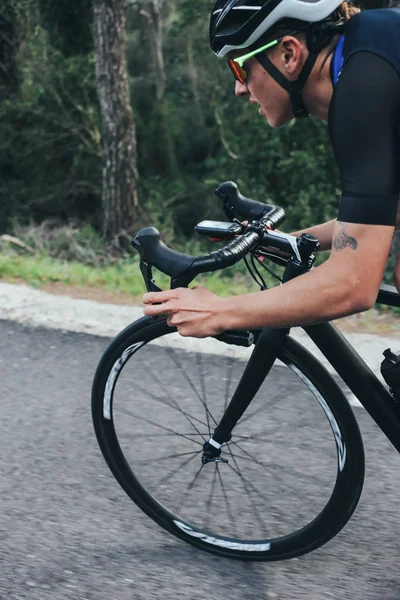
<point x="238" y="72"/>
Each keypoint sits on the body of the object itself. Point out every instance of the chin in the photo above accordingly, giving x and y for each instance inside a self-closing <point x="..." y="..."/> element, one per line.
<point x="278" y="120"/>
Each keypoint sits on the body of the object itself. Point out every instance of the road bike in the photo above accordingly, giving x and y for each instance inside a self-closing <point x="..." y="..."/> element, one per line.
<point x="243" y="445"/>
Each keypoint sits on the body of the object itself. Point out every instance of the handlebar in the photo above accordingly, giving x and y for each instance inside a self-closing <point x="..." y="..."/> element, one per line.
<point x="183" y="268"/>
<point x="237" y="205"/>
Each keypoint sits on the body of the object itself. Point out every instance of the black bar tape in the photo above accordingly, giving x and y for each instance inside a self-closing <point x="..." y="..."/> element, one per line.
<point x="227" y="256"/>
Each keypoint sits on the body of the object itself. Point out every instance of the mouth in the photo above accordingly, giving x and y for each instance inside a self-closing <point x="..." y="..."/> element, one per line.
<point x="252" y="101"/>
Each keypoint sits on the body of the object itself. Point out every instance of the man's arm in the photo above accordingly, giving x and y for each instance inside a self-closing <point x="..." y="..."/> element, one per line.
<point x="347" y="283"/>
<point x="323" y="232"/>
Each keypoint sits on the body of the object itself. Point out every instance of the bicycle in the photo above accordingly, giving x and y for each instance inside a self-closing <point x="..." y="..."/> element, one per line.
<point x="210" y="459"/>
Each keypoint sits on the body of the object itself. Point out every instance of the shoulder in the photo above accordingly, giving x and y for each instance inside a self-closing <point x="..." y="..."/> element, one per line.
<point x="368" y="83"/>
<point x="377" y="31"/>
<point x="371" y="34"/>
<point x="374" y="18"/>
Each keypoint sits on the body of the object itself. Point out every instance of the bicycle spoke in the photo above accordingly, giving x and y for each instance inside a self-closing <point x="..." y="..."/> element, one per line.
<point x="248" y="456"/>
<point x="258" y="436"/>
<point x="189" y="487"/>
<point x="247" y="485"/>
<point x="210" y="500"/>
<point x="250" y="488"/>
<point x="161" y="458"/>
<point x="166" y="434"/>
<point x="186" y="376"/>
<point x="256" y="510"/>
<point x="174" y="404"/>
<point x="247" y="482"/>
<point x="268" y="404"/>
<point x="272" y="466"/>
<point x="150" y="422"/>
<point x="184" y="495"/>
<point x="228" y="506"/>
<point x="168" y="476"/>
<point x="200" y="367"/>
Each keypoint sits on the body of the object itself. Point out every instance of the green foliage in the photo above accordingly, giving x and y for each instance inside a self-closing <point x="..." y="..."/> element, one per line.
<point x="50" y="141"/>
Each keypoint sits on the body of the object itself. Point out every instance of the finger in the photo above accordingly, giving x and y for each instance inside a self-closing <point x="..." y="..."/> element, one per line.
<point x="169" y="322"/>
<point x="154" y="310"/>
<point x="174" y="320"/>
<point x="156" y="297"/>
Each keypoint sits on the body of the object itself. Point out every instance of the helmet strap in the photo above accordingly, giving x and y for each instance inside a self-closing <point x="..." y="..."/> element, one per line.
<point x="294" y="88"/>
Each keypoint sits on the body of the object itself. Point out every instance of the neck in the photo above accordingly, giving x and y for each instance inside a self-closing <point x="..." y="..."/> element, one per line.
<point x="318" y="90"/>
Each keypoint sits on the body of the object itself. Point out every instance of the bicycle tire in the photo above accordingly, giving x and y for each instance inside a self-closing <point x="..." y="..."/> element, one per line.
<point x="347" y="487"/>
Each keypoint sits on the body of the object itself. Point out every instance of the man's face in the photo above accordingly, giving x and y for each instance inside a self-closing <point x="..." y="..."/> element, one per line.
<point x="264" y="91"/>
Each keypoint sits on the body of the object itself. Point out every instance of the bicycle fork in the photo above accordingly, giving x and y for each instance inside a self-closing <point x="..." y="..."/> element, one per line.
<point x="258" y="367"/>
<point x="262" y="359"/>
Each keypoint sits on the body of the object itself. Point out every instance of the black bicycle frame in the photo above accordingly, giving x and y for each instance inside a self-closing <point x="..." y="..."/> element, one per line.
<point x="359" y="378"/>
<point x="348" y="364"/>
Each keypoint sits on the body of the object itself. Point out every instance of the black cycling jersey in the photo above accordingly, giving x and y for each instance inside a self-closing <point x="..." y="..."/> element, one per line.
<point x="364" y="120"/>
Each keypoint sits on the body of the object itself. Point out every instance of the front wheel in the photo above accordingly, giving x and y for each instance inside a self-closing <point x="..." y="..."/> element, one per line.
<point x="287" y="481"/>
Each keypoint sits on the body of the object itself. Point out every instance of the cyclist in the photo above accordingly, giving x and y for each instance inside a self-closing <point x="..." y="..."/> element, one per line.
<point x="294" y="58"/>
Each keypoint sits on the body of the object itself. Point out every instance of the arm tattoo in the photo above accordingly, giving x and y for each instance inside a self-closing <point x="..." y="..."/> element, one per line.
<point x="343" y="240"/>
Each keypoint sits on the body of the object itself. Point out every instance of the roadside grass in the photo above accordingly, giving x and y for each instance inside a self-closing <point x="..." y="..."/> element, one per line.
<point x="119" y="276"/>
<point x="74" y="255"/>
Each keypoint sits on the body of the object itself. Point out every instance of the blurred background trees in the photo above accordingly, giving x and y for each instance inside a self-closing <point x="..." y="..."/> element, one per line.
<point x="115" y="113"/>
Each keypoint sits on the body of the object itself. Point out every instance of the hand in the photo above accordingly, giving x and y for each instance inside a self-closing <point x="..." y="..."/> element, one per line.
<point x="194" y="312"/>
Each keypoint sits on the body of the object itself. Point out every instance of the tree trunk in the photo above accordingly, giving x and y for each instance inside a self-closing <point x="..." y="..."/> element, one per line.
<point x="194" y="82"/>
<point x="155" y="13"/>
<point x="120" y="200"/>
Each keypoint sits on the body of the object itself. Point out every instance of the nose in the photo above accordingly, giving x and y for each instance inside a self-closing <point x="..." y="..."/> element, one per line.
<point x="241" y="89"/>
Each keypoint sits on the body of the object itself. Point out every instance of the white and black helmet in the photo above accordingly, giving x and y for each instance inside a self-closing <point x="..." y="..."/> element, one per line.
<point x="239" y="24"/>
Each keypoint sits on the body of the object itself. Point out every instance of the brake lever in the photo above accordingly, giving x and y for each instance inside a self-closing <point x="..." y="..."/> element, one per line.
<point x="147" y="275"/>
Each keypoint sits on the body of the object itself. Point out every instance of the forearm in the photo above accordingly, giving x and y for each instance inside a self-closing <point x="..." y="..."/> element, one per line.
<point x="320" y="295"/>
<point x="323" y="232"/>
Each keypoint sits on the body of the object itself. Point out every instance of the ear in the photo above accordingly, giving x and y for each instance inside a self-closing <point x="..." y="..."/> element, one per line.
<point x="292" y="55"/>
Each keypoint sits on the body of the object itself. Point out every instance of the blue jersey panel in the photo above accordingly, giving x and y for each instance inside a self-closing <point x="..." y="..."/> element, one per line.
<point x="376" y="31"/>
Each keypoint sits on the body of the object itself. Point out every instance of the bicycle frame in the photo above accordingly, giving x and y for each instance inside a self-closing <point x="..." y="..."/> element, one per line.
<point x="359" y="378"/>
<point x="348" y="364"/>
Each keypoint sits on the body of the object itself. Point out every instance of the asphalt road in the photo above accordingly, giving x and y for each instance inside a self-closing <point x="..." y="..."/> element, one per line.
<point x="67" y="529"/>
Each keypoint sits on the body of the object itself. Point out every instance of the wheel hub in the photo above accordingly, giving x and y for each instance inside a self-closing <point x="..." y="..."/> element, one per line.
<point x="212" y="454"/>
